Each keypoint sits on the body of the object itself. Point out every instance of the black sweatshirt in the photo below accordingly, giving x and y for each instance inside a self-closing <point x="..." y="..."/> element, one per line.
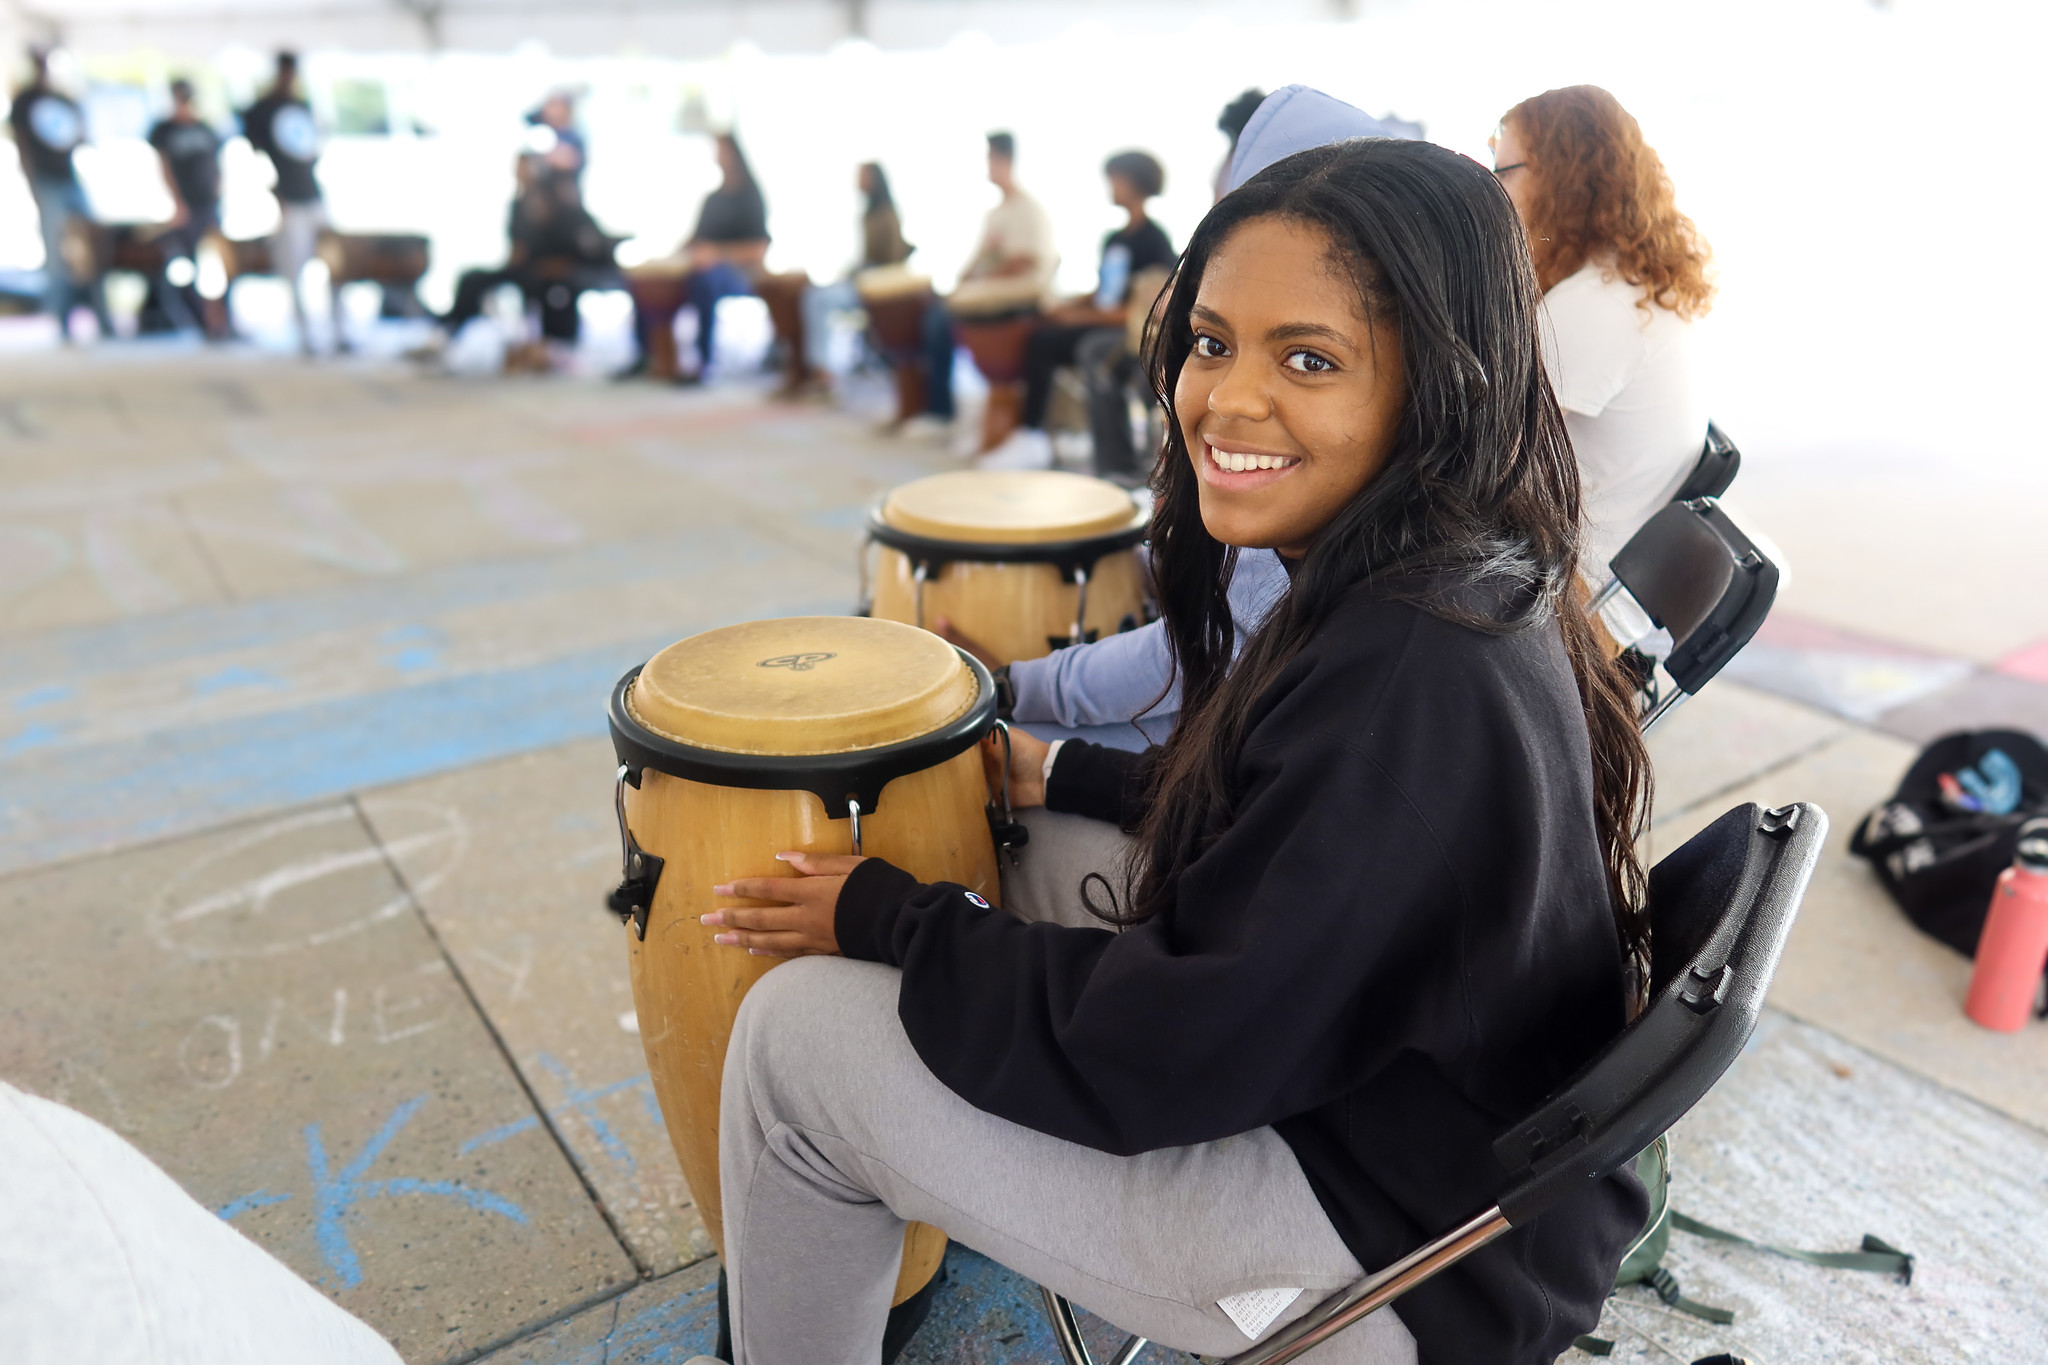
<point x="1399" y="945"/>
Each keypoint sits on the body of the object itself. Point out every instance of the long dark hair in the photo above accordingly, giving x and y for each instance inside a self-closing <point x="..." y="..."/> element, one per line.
<point x="1474" y="517"/>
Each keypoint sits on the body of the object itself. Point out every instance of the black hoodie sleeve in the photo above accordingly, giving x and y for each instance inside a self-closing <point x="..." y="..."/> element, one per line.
<point x="1100" y="782"/>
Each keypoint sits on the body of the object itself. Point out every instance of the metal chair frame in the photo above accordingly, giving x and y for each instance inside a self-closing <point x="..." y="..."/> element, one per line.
<point x="1720" y="909"/>
<point x="1698" y="575"/>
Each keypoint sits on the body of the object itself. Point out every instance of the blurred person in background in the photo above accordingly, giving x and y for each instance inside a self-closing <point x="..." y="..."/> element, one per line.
<point x="1625" y="277"/>
<point x="1089" y="330"/>
<point x="280" y="125"/>
<point x="1012" y="267"/>
<point x="48" y="127"/>
<point x="1230" y="123"/>
<point x="554" y="137"/>
<point x="556" y="251"/>
<point x="881" y="244"/>
<point x="722" y="256"/>
<point x="188" y="152"/>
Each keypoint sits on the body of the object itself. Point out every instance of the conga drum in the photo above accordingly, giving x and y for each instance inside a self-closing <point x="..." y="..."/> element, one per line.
<point x="896" y="300"/>
<point x="784" y="295"/>
<point x="832" y="734"/>
<point x="998" y="346"/>
<point x="659" y="289"/>
<point x="1022" y="562"/>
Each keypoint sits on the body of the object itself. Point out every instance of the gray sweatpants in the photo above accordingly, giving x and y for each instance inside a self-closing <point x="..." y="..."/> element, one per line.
<point x="833" y="1133"/>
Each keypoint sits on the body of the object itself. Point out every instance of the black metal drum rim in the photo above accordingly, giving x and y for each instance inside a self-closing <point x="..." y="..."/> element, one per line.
<point x="1082" y="551"/>
<point x="858" y="774"/>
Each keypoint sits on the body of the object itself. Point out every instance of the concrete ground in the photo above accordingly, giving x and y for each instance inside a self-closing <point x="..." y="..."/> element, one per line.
<point x="305" y="819"/>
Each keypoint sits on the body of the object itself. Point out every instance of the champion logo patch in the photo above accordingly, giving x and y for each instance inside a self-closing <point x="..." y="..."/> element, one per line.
<point x="973" y="899"/>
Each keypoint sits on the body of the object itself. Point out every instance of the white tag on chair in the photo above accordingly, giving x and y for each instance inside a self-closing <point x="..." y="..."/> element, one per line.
<point x="1254" y="1310"/>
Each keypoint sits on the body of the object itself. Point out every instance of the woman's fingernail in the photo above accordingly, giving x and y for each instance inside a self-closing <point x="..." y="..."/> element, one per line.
<point x="787" y="857"/>
<point x="729" y="940"/>
<point x="714" y="918"/>
<point x="725" y="890"/>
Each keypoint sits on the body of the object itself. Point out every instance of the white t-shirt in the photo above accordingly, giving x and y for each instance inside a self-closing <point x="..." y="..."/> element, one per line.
<point x="1632" y="401"/>
<point x="1017" y="226"/>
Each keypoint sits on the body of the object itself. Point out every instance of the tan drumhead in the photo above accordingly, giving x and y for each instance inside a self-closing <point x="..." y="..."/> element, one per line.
<point x="890" y="282"/>
<point x="1010" y="507"/>
<point x="803" y="685"/>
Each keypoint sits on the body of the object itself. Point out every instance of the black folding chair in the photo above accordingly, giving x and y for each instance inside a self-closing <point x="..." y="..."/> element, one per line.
<point x="1697" y="575"/>
<point x="1720" y="908"/>
<point x="1715" y="471"/>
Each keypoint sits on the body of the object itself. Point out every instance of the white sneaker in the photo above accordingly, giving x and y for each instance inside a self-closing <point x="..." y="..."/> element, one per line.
<point x="926" y="427"/>
<point x="1025" y="449"/>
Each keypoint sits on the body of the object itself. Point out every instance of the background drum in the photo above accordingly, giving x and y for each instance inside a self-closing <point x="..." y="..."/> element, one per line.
<point x="831" y="734"/>
<point x="896" y="300"/>
<point x="1020" y="561"/>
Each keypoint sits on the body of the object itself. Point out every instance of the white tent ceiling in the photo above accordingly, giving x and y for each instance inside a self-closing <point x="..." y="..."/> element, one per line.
<point x="669" y="28"/>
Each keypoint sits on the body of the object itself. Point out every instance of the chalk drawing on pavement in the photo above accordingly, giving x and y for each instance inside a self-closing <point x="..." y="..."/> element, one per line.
<point x="215" y="909"/>
<point x="336" y="1195"/>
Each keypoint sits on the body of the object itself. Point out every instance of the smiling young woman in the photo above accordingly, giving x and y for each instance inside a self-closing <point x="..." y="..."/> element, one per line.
<point x="1383" y="892"/>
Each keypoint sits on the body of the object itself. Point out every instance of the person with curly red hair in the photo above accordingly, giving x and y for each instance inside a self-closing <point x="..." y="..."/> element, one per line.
<point x="1624" y="276"/>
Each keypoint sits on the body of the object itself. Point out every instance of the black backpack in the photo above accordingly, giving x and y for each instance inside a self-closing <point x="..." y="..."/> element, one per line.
<point x="1941" y="863"/>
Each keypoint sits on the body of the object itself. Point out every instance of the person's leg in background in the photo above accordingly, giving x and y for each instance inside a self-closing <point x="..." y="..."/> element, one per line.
<point x="1108" y="367"/>
<point x="939" y="344"/>
<point x="1029" y="447"/>
<point x="472" y="287"/>
<point x="834" y="1133"/>
<point x="820" y="302"/>
<point x="55" y="201"/>
<point x="292" y="249"/>
<point x="179" y="285"/>
<point x="721" y="280"/>
<point x="559" y="319"/>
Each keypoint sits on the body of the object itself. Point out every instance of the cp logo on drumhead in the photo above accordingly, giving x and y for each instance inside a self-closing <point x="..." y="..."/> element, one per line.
<point x="795" y="663"/>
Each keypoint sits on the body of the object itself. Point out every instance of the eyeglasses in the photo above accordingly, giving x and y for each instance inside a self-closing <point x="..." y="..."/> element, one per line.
<point x="1511" y="166"/>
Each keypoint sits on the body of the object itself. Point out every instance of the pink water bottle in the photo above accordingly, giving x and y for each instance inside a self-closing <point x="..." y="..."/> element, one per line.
<point x="2013" y="951"/>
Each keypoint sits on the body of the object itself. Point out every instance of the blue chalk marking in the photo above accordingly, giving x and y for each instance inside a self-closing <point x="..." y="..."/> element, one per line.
<point x="582" y="1102"/>
<point x="421" y="647"/>
<point x="47" y="695"/>
<point x="334" y="1196"/>
<point x="149" y="643"/>
<point x="483" y="1201"/>
<point x="985" y="1314"/>
<point x="34" y="736"/>
<point x="93" y="796"/>
<point x="497" y="1135"/>
<point x="233" y="676"/>
<point x="255" y="1199"/>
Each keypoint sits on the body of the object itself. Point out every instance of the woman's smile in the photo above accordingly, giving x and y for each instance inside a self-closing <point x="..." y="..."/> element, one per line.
<point x="1237" y="468"/>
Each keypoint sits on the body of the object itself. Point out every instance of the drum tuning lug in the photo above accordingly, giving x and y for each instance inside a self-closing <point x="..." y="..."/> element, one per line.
<point x="639" y="871"/>
<point x="1009" y="835"/>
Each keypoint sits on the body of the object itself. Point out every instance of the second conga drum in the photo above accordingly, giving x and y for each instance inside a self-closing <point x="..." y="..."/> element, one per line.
<point x="830" y="734"/>
<point x="1022" y="562"/>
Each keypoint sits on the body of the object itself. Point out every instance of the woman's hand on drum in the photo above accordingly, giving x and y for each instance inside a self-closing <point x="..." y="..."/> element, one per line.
<point x="1027" y="766"/>
<point x="801" y="923"/>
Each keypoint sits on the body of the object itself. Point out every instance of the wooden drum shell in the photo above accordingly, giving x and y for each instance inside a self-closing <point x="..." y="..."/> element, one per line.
<point x="687" y="989"/>
<point x="1013" y="610"/>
